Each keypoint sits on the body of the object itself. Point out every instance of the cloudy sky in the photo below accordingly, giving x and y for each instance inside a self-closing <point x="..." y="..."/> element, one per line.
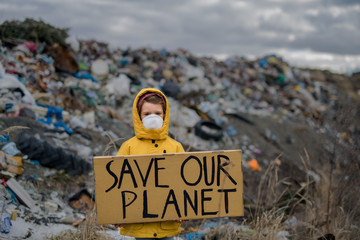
<point x="313" y="33"/>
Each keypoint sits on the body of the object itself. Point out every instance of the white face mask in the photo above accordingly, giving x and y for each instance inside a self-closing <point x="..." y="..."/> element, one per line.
<point x="152" y="121"/>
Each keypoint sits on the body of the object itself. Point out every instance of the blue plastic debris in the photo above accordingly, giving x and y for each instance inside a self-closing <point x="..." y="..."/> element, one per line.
<point x="4" y="138"/>
<point x="9" y="106"/>
<point x="52" y="111"/>
<point x="193" y="236"/>
<point x="124" y="61"/>
<point x="5" y="224"/>
<point x="163" y="52"/>
<point x="85" y="75"/>
<point x="13" y="197"/>
<point x="231" y="130"/>
<point x="35" y="162"/>
<point x="58" y="116"/>
<point x="46" y="59"/>
<point x="273" y="137"/>
<point x="63" y="125"/>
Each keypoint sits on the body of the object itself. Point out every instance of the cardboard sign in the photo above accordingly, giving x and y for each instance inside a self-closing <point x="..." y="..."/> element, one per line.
<point x="149" y="188"/>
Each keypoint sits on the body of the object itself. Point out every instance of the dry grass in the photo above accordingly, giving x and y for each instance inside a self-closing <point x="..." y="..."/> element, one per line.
<point x="86" y="230"/>
<point x="111" y="145"/>
<point x="13" y="128"/>
<point x="318" y="209"/>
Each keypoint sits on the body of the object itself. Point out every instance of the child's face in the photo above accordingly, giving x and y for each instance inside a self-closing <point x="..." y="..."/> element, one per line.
<point x="151" y="108"/>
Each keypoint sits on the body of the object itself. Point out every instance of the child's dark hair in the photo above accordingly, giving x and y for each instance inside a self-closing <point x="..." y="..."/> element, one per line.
<point x="153" y="98"/>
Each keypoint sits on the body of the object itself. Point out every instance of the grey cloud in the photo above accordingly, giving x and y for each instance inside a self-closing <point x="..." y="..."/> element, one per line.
<point x="224" y="27"/>
<point x="335" y="42"/>
<point x="341" y="2"/>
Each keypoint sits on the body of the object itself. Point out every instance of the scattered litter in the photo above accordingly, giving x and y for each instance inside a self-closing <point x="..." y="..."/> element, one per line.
<point x="82" y="201"/>
<point x="77" y="98"/>
<point x="254" y="165"/>
<point x="21" y="193"/>
<point x="52" y="156"/>
<point x="5" y="224"/>
<point x="10" y="149"/>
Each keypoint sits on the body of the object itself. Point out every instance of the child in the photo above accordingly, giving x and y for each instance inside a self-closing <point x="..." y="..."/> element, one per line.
<point x="151" y="125"/>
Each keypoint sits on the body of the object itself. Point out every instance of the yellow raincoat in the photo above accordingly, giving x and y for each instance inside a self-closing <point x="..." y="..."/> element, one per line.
<point x="150" y="141"/>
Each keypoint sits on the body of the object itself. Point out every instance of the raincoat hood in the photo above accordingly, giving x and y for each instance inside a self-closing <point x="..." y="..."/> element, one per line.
<point x="140" y="131"/>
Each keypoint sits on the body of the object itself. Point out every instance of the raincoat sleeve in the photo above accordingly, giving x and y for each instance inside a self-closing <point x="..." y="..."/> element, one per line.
<point x="180" y="148"/>
<point x="124" y="149"/>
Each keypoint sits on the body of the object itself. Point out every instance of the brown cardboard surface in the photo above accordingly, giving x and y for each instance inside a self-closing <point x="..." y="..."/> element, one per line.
<point x="148" y="188"/>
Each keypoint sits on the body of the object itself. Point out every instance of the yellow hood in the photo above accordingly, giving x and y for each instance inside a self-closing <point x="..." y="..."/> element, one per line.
<point x="140" y="131"/>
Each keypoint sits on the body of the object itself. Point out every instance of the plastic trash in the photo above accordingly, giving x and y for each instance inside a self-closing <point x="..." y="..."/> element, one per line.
<point x="171" y="89"/>
<point x="255" y="150"/>
<point x="83" y="66"/>
<point x="254" y="165"/>
<point x="33" y="47"/>
<point x="13" y="215"/>
<point x="194" y="72"/>
<point x="2" y="71"/>
<point x="63" y="60"/>
<point x="84" y="75"/>
<point x="5" y="224"/>
<point x="8" y="81"/>
<point x="193" y="236"/>
<point x="26" y="112"/>
<point x="283" y="235"/>
<point x="182" y="116"/>
<point x="10" y="149"/>
<point x="60" y="124"/>
<point x="163" y="52"/>
<point x="124" y="61"/>
<point x="291" y="222"/>
<point x="52" y="156"/>
<point x="82" y="201"/>
<point x="73" y="42"/>
<point x="51" y="206"/>
<point x="22" y="50"/>
<point x="76" y="122"/>
<point x="270" y="136"/>
<point x="213" y="109"/>
<point x="48" y="60"/>
<point x="4" y="138"/>
<point x="231" y="130"/>
<point x="99" y="69"/>
<point x="58" y="114"/>
<point x="120" y="86"/>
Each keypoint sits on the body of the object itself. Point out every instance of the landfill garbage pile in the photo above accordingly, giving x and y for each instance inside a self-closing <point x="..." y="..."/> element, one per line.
<point x="62" y="103"/>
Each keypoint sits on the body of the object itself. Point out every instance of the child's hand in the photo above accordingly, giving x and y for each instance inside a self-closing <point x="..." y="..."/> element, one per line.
<point x="118" y="225"/>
